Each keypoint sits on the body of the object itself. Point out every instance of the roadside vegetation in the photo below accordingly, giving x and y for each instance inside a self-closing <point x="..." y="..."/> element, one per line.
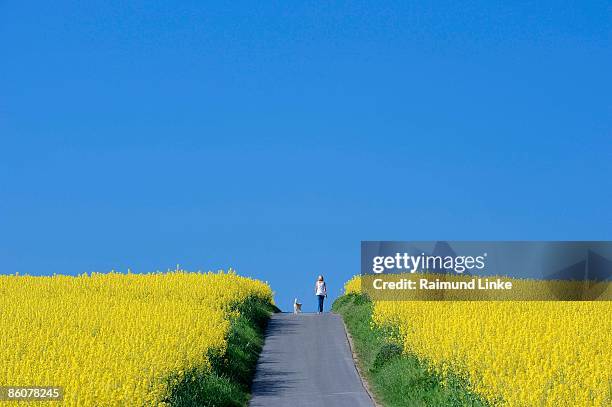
<point x="232" y="371"/>
<point x="396" y="379"/>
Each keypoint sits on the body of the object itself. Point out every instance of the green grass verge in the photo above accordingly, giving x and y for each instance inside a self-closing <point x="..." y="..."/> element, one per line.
<point x="395" y="378"/>
<point x="232" y="372"/>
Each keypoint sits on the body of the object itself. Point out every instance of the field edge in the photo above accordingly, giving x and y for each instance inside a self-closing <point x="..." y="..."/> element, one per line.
<point x="229" y="382"/>
<point x="396" y="379"/>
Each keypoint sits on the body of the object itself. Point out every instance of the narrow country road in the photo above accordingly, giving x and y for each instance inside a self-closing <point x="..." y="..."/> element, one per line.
<point x="306" y="361"/>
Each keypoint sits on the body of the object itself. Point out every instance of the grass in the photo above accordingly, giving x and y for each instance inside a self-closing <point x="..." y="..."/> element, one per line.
<point x="232" y="372"/>
<point x="396" y="379"/>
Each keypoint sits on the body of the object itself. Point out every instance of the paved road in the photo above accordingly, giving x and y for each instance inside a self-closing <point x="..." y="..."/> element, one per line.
<point x="306" y="361"/>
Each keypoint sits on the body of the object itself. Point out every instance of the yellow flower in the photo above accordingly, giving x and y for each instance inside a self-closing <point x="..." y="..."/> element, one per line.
<point x="535" y="353"/>
<point x="112" y="338"/>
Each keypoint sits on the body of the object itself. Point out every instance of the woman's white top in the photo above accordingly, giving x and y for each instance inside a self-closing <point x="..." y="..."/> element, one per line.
<point x="321" y="289"/>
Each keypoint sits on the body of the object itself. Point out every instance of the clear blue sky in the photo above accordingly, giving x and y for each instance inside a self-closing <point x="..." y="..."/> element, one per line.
<point x="274" y="136"/>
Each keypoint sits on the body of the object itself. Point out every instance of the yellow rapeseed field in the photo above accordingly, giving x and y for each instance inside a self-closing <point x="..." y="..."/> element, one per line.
<point x="532" y="353"/>
<point x="115" y="339"/>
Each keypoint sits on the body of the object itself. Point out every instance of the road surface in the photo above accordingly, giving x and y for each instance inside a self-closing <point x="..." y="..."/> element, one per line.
<point x="306" y="361"/>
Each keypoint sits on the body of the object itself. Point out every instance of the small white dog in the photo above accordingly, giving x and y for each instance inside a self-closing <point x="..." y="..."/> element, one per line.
<point x="297" y="306"/>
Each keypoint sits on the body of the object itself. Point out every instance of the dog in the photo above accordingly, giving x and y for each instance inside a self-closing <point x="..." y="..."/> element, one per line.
<point x="297" y="306"/>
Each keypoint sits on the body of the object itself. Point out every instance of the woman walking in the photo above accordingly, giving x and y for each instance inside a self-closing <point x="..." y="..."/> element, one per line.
<point x="320" y="292"/>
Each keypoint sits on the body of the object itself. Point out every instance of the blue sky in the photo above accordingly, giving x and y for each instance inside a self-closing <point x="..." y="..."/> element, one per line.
<point x="273" y="136"/>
